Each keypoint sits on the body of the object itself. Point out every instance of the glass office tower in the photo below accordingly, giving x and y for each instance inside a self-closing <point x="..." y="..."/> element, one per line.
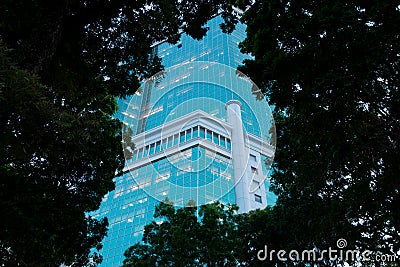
<point x="200" y="136"/>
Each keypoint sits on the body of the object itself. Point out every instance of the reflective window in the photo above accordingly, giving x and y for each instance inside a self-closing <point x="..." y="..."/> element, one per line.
<point x="209" y="135"/>
<point x="134" y="155"/>
<point x="202" y="132"/>
<point x="215" y="138"/>
<point x="188" y="134"/>
<point x="182" y="137"/>
<point x="158" y="146"/>
<point x="258" y="198"/>
<point x="176" y="139"/>
<point x="196" y="132"/>
<point x="164" y="144"/>
<point x="152" y="149"/>
<point x="170" y="141"/>
<point x="222" y="141"/>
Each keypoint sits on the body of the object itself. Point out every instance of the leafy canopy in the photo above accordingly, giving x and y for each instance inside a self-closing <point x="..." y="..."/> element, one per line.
<point x="189" y="236"/>
<point x="331" y="69"/>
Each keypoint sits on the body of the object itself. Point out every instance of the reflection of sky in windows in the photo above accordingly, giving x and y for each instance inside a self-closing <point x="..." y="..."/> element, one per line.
<point x="185" y="99"/>
<point x="175" y="101"/>
<point x="194" y="167"/>
<point x="215" y="46"/>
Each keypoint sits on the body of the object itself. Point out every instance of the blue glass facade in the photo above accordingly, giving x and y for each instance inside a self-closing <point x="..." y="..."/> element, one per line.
<point x="183" y="137"/>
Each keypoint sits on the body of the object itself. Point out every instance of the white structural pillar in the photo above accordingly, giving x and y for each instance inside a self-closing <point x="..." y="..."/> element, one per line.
<point x="239" y="156"/>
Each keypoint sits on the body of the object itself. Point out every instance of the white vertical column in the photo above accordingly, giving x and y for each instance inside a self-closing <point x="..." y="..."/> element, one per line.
<point x="239" y="156"/>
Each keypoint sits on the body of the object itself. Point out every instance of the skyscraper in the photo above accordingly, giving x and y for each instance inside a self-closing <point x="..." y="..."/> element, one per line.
<point x="200" y="135"/>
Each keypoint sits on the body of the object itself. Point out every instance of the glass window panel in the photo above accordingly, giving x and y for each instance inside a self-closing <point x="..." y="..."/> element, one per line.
<point x="170" y="141"/>
<point x="254" y="170"/>
<point x="158" y="146"/>
<point x="228" y="144"/>
<point x="209" y="135"/>
<point x="215" y="138"/>
<point x="196" y="132"/>
<point x="176" y="139"/>
<point x="152" y="146"/>
<point x="258" y="198"/>
<point x="222" y="141"/>
<point x="188" y="134"/>
<point x="164" y="144"/>
<point x="195" y="153"/>
<point x="182" y="137"/>
<point x="202" y="132"/>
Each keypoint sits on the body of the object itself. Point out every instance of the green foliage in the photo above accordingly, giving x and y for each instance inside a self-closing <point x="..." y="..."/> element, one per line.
<point x="51" y="172"/>
<point x="331" y="68"/>
<point x="189" y="236"/>
<point x="108" y="41"/>
<point x="62" y="64"/>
